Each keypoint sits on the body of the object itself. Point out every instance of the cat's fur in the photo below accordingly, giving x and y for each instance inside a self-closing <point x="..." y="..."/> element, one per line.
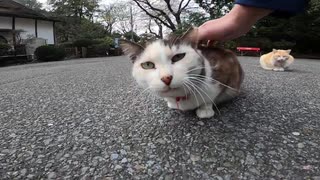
<point x="277" y="60"/>
<point x="203" y="75"/>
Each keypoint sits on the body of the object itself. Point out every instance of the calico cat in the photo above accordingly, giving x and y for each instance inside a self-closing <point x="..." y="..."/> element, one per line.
<point x="186" y="74"/>
<point x="277" y="60"/>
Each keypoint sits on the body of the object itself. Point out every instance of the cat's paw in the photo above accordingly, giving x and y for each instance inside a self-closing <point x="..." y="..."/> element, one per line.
<point x="205" y="112"/>
<point x="172" y="105"/>
<point x="278" y="69"/>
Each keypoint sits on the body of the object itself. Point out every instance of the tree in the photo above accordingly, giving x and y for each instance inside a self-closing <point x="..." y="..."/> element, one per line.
<point x="75" y="8"/>
<point x="166" y="12"/>
<point x="216" y="8"/>
<point x="32" y="4"/>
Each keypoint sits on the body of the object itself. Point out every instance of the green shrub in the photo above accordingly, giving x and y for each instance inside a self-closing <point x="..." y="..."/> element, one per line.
<point x="4" y="48"/>
<point x="83" y="43"/>
<point x="50" y="53"/>
<point x="283" y="44"/>
<point x="66" y="45"/>
<point x="98" y="50"/>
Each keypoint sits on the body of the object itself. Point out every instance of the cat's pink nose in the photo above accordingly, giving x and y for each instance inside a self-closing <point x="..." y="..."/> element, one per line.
<point x="167" y="80"/>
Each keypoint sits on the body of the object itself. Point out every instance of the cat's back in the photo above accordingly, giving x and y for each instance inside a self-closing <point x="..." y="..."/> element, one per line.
<point x="225" y="66"/>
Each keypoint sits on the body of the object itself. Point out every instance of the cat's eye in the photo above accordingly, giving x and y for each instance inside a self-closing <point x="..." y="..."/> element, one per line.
<point x="178" y="57"/>
<point x="148" y="65"/>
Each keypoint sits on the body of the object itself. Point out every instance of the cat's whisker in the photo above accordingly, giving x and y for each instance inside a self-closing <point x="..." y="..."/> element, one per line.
<point x="205" y="93"/>
<point x="195" y="88"/>
<point x="194" y="94"/>
<point x="199" y="81"/>
<point x="204" y="77"/>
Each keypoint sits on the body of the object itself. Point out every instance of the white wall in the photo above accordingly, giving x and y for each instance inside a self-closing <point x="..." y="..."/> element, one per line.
<point x="27" y="25"/>
<point x="5" y="22"/>
<point x="45" y="31"/>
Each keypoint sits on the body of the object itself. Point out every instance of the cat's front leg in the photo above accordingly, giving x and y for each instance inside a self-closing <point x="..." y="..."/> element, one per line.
<point x="205" y="111"/>
<point x="278" y="69"/>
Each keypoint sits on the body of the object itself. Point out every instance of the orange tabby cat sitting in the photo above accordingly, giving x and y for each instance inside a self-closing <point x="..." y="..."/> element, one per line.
<point x="277" y="60"/>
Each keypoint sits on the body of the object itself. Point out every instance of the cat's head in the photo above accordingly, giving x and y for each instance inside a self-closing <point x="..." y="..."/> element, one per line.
<point x="164" y="65"/>
<point x="281" y="55"/>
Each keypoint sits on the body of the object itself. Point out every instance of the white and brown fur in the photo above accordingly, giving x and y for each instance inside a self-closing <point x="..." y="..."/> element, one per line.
<point x="205" y="75"/>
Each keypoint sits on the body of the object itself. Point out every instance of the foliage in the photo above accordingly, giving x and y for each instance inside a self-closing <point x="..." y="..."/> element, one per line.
<point x="216" y="8"/>
<point x="32" y="4"/>
<point x="130" y="34"/>
<point x="50" y="53"/>
<point x="75" y="8"/>
<point x="83" y="43"/>
<point x="69" y="29"/>
<point x="4" y="47"/>
<point x="283" y="44"/>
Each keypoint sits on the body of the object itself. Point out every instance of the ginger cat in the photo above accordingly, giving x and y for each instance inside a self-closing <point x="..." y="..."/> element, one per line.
<point x="277" y="60"/>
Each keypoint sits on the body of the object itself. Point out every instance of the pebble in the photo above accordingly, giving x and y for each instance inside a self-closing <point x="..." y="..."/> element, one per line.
<point x="150" y="163"/>
<point x="118" y="167"/>
<point x="114" y="157"/>
<point x="87" y="121"/>
<point x="194" y="158"/>
<point x="52" y="175"/>
<point x="201" y="123"/>
<point x="123" y="152"/>
<point x="124" y="160"/>
<point x="296" y="133"/>
<point x="23" y="172"/>
<point x="300" y="145"/>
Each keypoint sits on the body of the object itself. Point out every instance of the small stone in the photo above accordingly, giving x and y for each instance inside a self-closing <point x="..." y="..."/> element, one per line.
<point x="227" y="164"/>
<point x="118" y="167"/>
<point x="307" y="167"/>
<point x="30" y="176"/>
<point x="82" y="152"/>
<point x="194" y="158"/>
<point x="52" y="175"/>
<point x="296" y="133"/>
<point x="278" y="166"/>
<point x="316" y="178"/>
<point x="87" y="121"/>
<point x="254" y="170"/>
<point x="300" y="145"/>
<point x="123" y="152"/>
<point x="130" y="171"/>
<point x="23" y="172"/>
<point x="152" y="146"/>
<point x="124" y="160"/>
<point x="161" y="141"/>
<point x="84" y="170"/>
<point x="114" y="157"/>
<point x="201" y="123"/>
<point x="250" y="159"/>
<point x="150" y="163"/>
<point x="47" y="141"/>
<point x="138" y="167"/>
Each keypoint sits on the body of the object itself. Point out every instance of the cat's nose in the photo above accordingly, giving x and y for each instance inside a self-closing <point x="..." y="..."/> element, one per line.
<point x="167" y="80"/>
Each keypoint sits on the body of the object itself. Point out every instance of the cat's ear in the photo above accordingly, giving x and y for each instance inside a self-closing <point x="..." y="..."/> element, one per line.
<point x="288" y="51"/>
<point x="191" y="37"/>
<point x="131" y="49"/>
<point x="274" y="50"/>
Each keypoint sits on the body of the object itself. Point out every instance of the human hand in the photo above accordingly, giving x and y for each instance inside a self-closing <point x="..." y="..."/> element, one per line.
<point x="236" y="23"/>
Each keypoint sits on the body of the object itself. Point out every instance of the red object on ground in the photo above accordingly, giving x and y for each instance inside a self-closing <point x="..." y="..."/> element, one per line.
<point x="248" y="49"/>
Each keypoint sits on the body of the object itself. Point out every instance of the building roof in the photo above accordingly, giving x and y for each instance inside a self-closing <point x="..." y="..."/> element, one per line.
<point x="12" y="8"/>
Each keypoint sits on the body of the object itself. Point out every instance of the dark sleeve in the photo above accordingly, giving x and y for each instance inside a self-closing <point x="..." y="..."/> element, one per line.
<point x="286" y="7"/>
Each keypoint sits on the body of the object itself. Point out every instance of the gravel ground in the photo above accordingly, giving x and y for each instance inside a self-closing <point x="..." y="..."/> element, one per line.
<point x="84" y="119"/>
